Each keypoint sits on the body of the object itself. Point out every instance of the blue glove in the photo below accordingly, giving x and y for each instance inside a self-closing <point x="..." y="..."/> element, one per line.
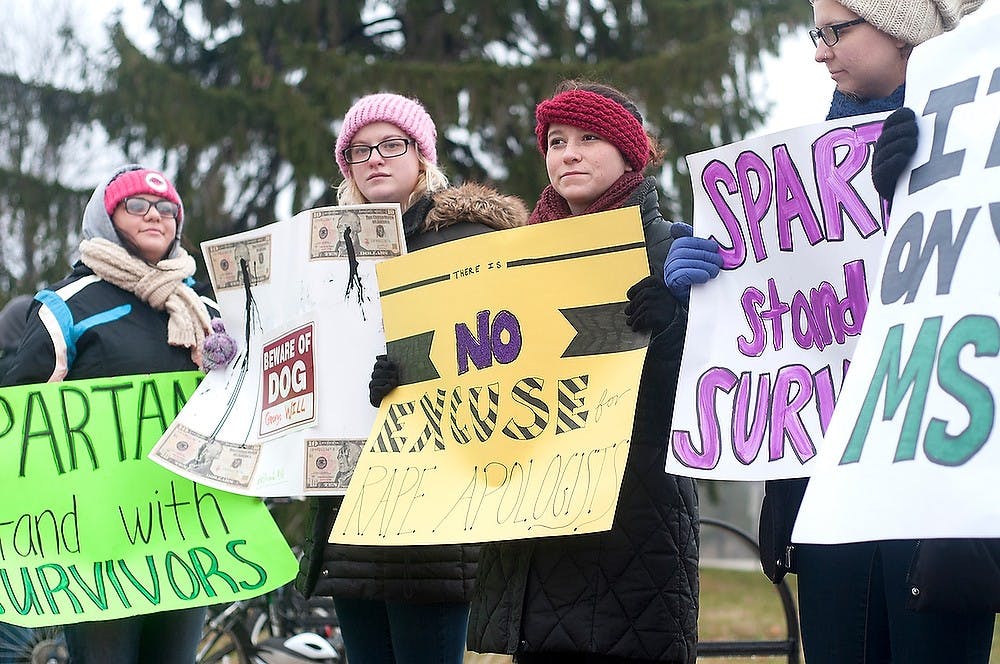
<point x="691" y="260"/>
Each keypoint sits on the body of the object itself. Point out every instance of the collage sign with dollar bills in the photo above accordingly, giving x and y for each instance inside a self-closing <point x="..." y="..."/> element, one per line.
<point x="91" y="529"/>
<point x="519" y="379"/>
<point x="288" y="417"/>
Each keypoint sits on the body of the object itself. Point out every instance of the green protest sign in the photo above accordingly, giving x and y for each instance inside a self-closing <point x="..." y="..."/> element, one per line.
<point x="90" y="529"/>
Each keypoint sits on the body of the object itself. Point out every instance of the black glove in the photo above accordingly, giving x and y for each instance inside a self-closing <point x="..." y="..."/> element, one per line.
<point x="893" y="151"/>
<point x="385" y="378"/>
<point x="651" y="306"/>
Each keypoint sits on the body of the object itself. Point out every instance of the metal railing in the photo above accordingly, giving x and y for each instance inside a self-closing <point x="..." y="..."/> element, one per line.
<point x="788" y="647"/>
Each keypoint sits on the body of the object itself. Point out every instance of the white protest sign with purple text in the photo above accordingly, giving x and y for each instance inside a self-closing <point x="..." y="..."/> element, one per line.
<point x="768" y="340"/>
<point x="913" y="450"/>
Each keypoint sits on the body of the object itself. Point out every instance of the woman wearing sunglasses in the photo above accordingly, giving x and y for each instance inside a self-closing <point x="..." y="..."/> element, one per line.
<point x="855" y="600"/>
<point x="127" y="308"/>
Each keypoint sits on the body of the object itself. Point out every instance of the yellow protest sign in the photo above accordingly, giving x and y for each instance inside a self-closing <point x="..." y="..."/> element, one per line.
<point x="519" y="379"/>
<point x="90" y="529"/>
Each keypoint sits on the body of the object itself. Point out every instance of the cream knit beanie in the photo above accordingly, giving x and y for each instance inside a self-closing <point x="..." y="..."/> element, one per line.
<point x="913" y="21"/>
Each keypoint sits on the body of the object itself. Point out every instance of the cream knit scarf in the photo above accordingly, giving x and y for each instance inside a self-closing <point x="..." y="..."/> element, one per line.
<point x="161" y="286"/>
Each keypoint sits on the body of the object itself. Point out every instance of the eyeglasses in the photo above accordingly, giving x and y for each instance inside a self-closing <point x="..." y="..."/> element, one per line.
<point x="389" y="148"/>
<point x="140" y="206"/>
<point x="830" y="34"/>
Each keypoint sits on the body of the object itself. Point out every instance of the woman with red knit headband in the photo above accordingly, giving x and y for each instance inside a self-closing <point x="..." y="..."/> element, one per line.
<point x="629" y="594"/>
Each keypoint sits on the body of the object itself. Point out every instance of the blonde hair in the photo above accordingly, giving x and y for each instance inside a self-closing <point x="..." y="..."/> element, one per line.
<point x="430" y="179"/>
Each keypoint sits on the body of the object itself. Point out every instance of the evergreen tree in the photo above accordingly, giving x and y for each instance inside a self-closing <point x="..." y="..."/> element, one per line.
<point x="240" y="100"/>
<point x="46" y="100"/>
<point x="245" y="96"/>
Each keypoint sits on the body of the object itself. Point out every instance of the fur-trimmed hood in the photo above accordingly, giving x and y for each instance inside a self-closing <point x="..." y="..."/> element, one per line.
<point x="475" y="203"/>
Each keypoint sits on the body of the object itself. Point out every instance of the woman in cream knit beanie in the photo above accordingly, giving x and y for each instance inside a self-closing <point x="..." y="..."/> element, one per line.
<point x="856" y="600"/>
<point x="866" y="44"/>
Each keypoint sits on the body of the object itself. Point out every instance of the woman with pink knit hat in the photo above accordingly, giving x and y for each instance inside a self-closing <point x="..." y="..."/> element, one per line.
<point x="873" y="602"/>
<point x="401" y="604"/>
<point x="630" y="594"/>
<point x="127" y="308"/>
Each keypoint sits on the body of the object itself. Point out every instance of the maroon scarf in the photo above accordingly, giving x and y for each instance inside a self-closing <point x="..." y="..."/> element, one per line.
<point x="551" y="206"/>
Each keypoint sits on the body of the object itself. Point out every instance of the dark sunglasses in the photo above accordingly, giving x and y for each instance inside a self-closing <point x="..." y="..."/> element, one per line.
<point x="830" y="34"/>
<point x="140" y="206"/>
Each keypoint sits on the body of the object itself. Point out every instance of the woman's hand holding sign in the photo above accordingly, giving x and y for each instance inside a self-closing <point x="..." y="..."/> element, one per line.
<point x="385" y="378"/>
<point x="893" y="151"/>
<point x="691" y="260"/>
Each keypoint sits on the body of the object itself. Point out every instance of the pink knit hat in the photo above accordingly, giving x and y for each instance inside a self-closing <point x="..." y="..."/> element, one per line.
<point x="405" y="113"/>
<point x="599" y="114"/>
<point x="141" y="181"/>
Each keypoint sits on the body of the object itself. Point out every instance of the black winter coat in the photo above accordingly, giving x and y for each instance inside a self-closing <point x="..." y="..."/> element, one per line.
<point x="84" y="327"/>
<point x="437" y="573"/>
<point x="630" y="592"/>
<point x="782" y="498"/>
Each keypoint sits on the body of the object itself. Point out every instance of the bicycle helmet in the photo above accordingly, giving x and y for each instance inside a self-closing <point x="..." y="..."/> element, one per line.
<point x="305" y="648"/>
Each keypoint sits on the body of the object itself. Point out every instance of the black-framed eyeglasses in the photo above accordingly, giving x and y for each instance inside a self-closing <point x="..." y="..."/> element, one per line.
<point x="830" y="34"/>
<point x="140" y="206"/>
<point x="389" y="148"/>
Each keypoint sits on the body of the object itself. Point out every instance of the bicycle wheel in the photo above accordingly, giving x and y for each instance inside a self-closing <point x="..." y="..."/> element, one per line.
<point x="224" y="639"/>
<point x="42" y="645"/>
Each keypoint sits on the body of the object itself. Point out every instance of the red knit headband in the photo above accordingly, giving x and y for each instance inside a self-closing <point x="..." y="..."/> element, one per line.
<point x="599" y="114"/>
